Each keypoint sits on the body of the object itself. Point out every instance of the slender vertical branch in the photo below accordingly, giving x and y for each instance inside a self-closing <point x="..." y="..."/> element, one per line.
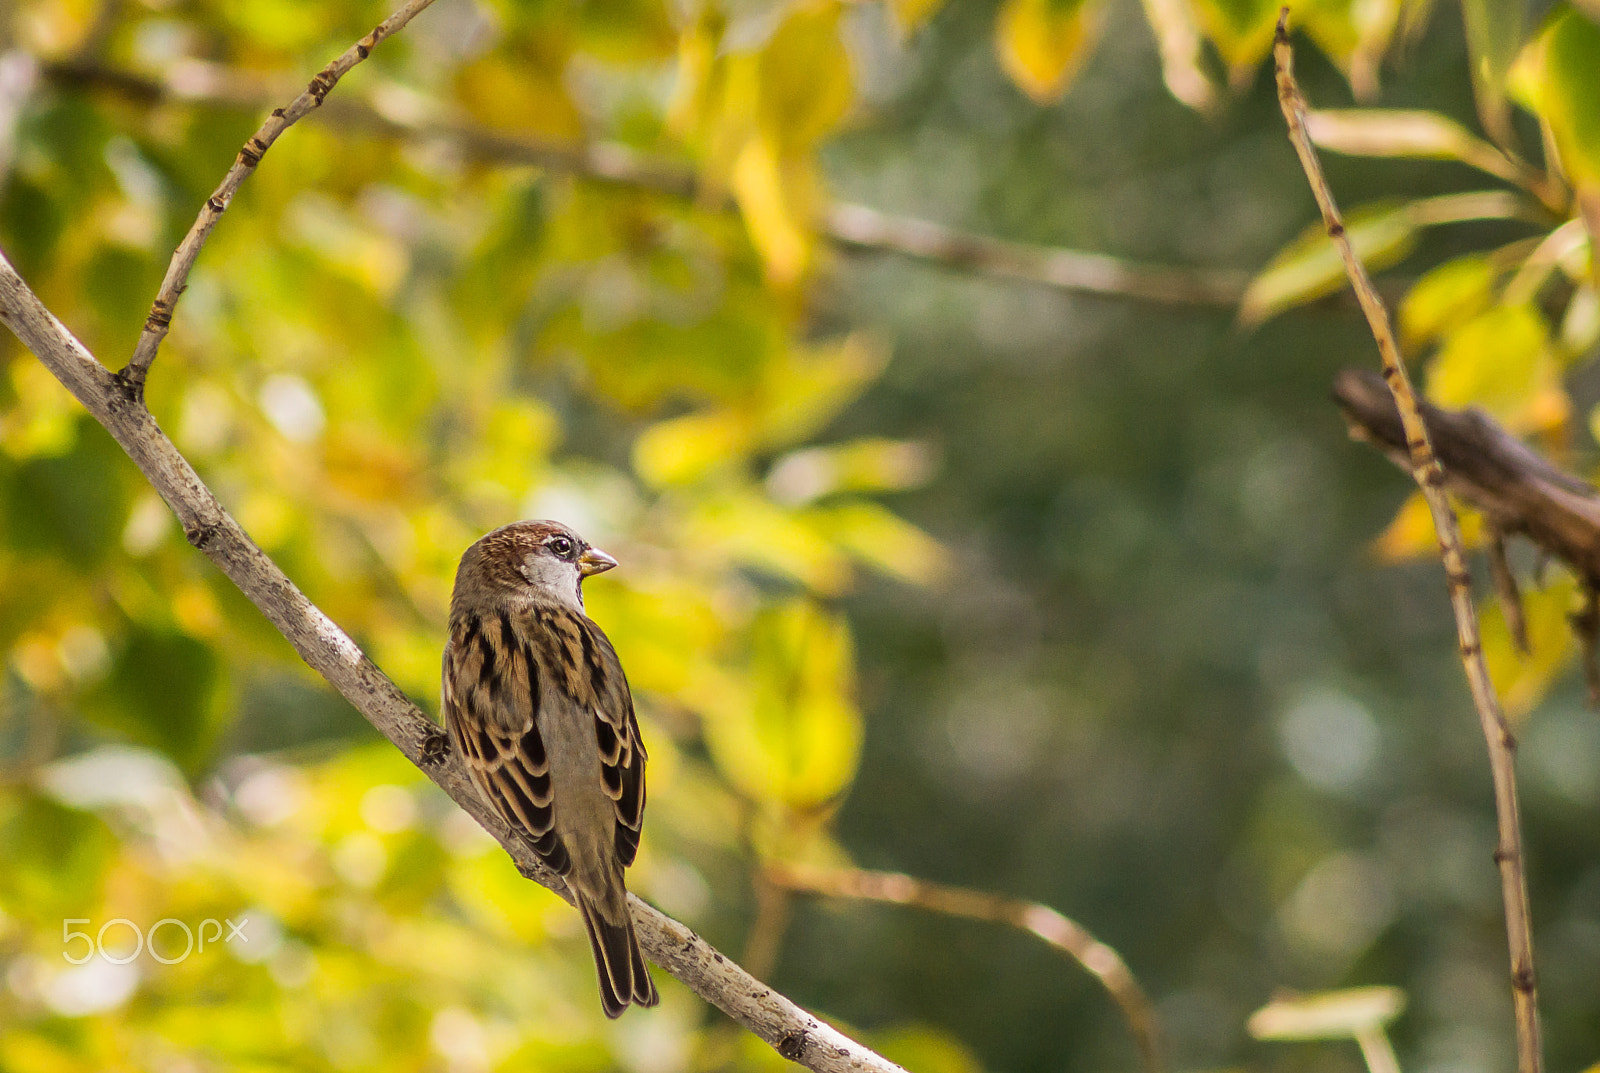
<point x="1429" y="475"/>
<point x="765" y="940"/>
<point x="1061" y="932"/>
<point x="173" y="284"/>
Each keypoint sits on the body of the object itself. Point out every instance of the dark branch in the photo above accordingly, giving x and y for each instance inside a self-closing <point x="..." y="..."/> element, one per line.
<point x="1518" y="490"/>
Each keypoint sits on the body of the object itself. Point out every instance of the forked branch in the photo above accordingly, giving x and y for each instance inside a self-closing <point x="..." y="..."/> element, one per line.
<point x="1430" y="477"/>
<point x="1517" y="490"/>
<point x="176" y="280"/>
<point x="796" y="1034"/>
<point x="116" y="401"/>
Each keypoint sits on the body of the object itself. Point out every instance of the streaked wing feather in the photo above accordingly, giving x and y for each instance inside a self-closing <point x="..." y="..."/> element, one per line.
<point x="491" y="687"/>
<point x="622" y="754"/>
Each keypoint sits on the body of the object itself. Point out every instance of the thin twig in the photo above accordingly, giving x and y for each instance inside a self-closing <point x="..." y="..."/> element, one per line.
<point x="176" y="279"/>
<point x="765" y="939"/>
<point x="859" y="227"/>
<point x="329" y="650"/>
<point x="1506" y="590"/>
<point x="848" y="226"/>
<point x="1428" y="474"/>
<point x="1377" y="1050"/>
<point x="18" y="74"/>
<point x="1061" y="932"/>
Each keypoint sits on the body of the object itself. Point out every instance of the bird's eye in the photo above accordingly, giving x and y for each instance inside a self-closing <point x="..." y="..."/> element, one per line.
<point x="562" y="547"/>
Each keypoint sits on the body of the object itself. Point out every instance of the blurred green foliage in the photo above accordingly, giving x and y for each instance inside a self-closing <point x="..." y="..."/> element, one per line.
<point x="1145" y="673"/>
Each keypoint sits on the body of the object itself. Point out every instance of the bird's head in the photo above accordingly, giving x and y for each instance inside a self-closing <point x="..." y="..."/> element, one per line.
<point x="538" y="561"/>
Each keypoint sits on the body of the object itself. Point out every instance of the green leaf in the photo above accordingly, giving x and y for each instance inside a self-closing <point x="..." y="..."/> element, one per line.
<point x="73" y="504"/>
<point x="1494" y="37"/>
<point x="163" y="691"/>
<point x="1568" y="94"/>
<point x="55" y="858"/>
<point x="1310" y="267"/>
<point x="1241" y="29"/>
<point x="926" y="1049"/>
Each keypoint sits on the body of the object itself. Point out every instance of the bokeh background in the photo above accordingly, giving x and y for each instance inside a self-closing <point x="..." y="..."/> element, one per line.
<point x="1074" y="595"/>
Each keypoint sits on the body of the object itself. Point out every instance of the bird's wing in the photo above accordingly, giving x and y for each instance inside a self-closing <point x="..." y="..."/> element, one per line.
<point x="491" y="692"/>
<point x="617" y="732"/>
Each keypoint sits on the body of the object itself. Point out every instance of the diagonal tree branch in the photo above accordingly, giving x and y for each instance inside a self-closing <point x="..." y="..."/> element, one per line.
<point x="849" y="226"/>
<point x="1430" y="477"/>
<point x="112" y="401"/>
<point x="176" y="279"/>
<point x="1518" y="490"/>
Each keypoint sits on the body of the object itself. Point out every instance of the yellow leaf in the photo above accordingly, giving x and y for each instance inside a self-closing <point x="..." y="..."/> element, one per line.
<point x="909" y="15"/>
<point x="749" y="530"/>
<point x="886" y="541"/>
<point x="865" y="465"/>
<point x="1446" y="296"/>
<point x="791" y="734"/>
<point x="1042" y="43"/>
<point x="529" y="96"/>
<point x="1501" y="361"/>
<point x="1411" y="533"/>
<point x="805" y="82"/>
<point x="684" y="449"/>
<point x="42" y="418"/>
<point x="691" y="96"/>
<point x="776" y="197"/>
<point x="1521" y="679"/>
<point x="925" y="1049"/>
<point x="809" y="387"/>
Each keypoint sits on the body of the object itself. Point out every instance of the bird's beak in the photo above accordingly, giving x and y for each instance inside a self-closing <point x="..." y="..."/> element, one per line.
<point x="594" y="561"/>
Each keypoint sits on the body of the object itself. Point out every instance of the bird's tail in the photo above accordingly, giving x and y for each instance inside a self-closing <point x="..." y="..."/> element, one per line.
<point x="623" y="977"/>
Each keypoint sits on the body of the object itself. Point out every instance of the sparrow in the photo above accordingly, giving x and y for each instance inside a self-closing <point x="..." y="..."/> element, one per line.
<point x="536" y="703"/>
